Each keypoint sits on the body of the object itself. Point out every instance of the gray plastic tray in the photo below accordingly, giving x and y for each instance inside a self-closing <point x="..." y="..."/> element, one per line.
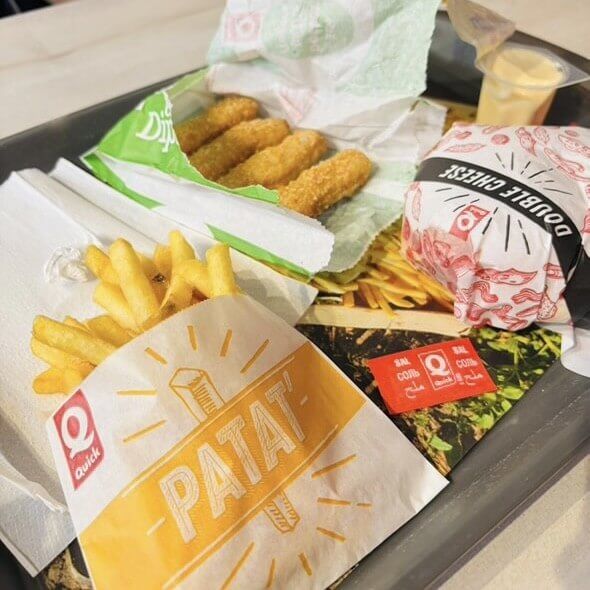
<point x="532" y="445"/>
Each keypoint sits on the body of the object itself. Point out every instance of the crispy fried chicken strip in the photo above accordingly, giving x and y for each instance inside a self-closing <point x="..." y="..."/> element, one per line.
<point x="226" y="113"/>
<point x="320" y="187"/>
<point x="278" y="164"/>
<point x="238" y="144"/>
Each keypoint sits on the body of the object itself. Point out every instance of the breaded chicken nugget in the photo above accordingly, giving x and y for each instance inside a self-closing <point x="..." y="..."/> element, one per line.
<point x="278" y="164"/>
<point x="238" y="144"/>
<point x="320" y="187"/>
<point x="226" y="113"/>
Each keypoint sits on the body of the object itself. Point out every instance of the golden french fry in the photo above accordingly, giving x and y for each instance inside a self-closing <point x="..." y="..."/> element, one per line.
<point x="58" y="358"/>
<point x="179" y="292"/>
<point x="71" y="340"/>
<point x="444" y="303"/>
<point x="159" y="288"/>
<point x="55" y="380"/>
<point x="135" y="285"/>
<point x="382" y="302"/>
<point x="156" y="278"/>
<point x="221" y="273"/>
<point x="394" y="288"/>
<point x="420" y="299"/>
<point x="196" y="274"/>
<point x="377" y="274"/>
<point x="327" y="286"/>
<point x="148" y="266"/>
<point x="412" y="279"/>
<point x="397" y="300"/>
<point x="180" y="249"/>
<point x="387" y="255"/>
<point x="178" y="295"/>
<point x="50" y="381"/>
<point x="70" y="321"/>
<point x="163" y="260"/>
<point x="100" y="265"/>
<point x="111" y="299"/>
<point x="386" y="265"/>
<point x="368" y="295"/>
<point x="431" y="285"/>
<point x="108" y="329"/>
<point x="348" y="299"/>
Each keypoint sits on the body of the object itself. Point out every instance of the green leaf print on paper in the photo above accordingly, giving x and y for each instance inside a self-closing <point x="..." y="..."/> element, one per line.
<point x="395" y="62"/>
<point x="439" y="444"/>
<point x="303" y="28"/>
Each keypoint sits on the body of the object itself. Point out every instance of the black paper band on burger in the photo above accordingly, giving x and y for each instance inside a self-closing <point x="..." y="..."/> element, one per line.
<point x="577" y="293"/>
<point x="537" y="207"/>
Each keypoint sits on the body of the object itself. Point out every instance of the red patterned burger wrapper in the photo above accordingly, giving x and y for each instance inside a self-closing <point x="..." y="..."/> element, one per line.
<point x="500" y="216"/>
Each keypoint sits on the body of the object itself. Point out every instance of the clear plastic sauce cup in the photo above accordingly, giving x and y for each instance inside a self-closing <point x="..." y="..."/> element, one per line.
<point x="518" y="86"/>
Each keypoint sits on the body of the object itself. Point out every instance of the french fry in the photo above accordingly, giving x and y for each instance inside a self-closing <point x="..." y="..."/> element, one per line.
<point x="111" y="299"/>
<point x="393" y="287"/>
<point x="71" y="340"/>
<point x="148" y="266"/>
<point x="156" y="278"/>
<point x="59" y="359"/>
<point x="397" y="300"/>
<point x="430" y="283"/>
<point x="368" y="295"/>
<point x="328" y="286"/>
<point x="421" y="299"/>
<point x="178" y="295"/>
<point x="70" y="321"/>
<point x="55" y="380"/>
<point x="348" y="299"/>
<point x="133" y="282"/>
<point x="412" y="279"/>
<point x="180" y="249"/>
<point x="71" y="379"/>
<point x="444" y="303"/>
<point x="196" y="274"/>
<point x="159" y="287"/>
<point x="106" y="328"/>
<point x="163" y="260"/>
<point x="382" y="302"/>
<point x="100" y="265"/>
<point x="377" y="274"/>
<point x="220" y="269"/>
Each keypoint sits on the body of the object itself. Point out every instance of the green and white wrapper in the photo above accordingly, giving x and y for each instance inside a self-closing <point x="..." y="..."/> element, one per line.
<point x="352" y="71"/>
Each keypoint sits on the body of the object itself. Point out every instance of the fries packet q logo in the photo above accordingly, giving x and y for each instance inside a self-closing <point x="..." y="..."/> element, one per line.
<point x="80" y="441"/>
<point x="234" y="454"/>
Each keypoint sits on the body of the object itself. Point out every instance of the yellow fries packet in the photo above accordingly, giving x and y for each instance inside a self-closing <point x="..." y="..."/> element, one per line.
<point x="221" y="449"/>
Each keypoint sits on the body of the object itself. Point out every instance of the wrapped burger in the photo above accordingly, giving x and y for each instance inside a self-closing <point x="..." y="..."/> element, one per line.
<point x="500" y="216"/>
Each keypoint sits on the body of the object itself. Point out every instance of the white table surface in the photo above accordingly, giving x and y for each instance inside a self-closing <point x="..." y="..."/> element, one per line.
<point x="61" y="59"/>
